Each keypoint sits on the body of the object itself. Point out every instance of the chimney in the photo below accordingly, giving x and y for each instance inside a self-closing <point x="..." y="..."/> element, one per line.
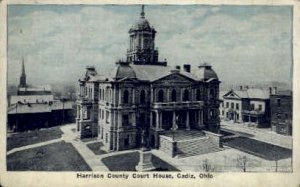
<point x="187" y="68"/>
<point x="274" y="90"/>
<point x="177" y="67"/>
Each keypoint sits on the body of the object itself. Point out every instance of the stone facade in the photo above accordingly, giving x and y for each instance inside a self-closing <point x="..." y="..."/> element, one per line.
<point x="143" y="94"/>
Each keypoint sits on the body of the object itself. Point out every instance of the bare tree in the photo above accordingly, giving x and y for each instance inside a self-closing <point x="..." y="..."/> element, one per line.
<point x="242" y="162"/>
<point x="206" y="166"/>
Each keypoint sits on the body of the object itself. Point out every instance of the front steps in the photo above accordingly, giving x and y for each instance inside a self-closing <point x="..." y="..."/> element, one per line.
<point x="196" y="147"/>
<point x="182" y="144"/>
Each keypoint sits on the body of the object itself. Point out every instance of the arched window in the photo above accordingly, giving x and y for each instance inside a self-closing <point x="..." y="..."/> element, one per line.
<point x="125" y="96"/>
<point x="198" y="95"/>
<point x="142" y="97"/>
<point x="173" y="96"/>
<point x="186" y="96"/>
<point x="160" y="96"/>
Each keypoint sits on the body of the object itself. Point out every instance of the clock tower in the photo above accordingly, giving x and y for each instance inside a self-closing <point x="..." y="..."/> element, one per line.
<point x="142" y="42"/>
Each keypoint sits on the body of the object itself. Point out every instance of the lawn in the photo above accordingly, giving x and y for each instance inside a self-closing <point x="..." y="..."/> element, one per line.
<point x="258" y="148"/>
<point x="59" y="156"/>
<point x="128" y="161"/>
<point x="32" y="137"/>
<point x="96" y="148"/>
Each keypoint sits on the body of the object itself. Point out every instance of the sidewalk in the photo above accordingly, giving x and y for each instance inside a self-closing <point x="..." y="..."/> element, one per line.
<point x="33" y="146"/>
<point x="94" y="161"/>
<point x="261" y="134"/>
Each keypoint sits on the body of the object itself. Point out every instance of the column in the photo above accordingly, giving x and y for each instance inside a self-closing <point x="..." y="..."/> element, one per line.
<point x="78" y="111"/>
<point x="151" y="95"/>
<point x="188" y="120"/>
<point x="157" y="120"/>
<point x="133" y="119"/>
<point x="199" y="118"/>
<point x="120" y="96"/>
<point x="81" y="113"/>
<point x="201" y="114"/>
<point x="160" y="120"/>
<point x="78" y="117"/>
<point x="174" y="120"/>
<point x="133" y="96"/>
<point x="151" y="122"/>
<point x="119" y="120"/>
<point x="118" y="141"/>
<point x="181" y="94"/>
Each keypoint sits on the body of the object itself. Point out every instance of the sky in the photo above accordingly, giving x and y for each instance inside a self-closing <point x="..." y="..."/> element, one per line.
<point x="242" y="43"/>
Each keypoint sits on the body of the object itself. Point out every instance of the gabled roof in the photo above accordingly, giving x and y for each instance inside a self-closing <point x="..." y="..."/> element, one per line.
<point x="31" y="98"/>
<point x="177" y="76"/>
<point x="26" y="108"/>
<point x="252" y="93"/>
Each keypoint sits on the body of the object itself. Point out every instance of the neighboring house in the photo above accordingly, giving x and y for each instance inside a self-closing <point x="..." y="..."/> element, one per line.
<point x="144" y="95"/>
<point x="35" y="107"/>
<point x="251" y="105"/>
<point x="282" y="112"/>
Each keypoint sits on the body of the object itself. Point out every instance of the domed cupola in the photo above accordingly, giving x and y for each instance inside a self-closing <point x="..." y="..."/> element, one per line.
<point x="142" y="24"/>
<point x="122" y="70"/>
<point x="142" y="42"/>
<point x="205" y="72"/>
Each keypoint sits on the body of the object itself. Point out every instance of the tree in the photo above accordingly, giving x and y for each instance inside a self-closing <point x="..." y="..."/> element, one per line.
<point x="206" y="166"/>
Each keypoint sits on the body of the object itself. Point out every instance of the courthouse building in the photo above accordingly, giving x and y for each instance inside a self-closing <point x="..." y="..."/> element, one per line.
<point x="144" y="96"/>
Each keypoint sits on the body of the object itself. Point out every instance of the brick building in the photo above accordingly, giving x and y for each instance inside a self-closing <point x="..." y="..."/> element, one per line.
<point x="282" y="112"/>
<point x="143" y="95"/>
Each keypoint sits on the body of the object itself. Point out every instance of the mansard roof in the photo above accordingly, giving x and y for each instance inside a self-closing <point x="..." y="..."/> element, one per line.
<point x="205" y="72"/>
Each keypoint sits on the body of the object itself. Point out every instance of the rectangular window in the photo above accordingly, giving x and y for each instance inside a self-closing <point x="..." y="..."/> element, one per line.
<point x="227" y="105"/>
<point x="260" y="107"/>
<point x="278" y="103"/>
<point x="252" y="106"/>
<point x="237" y="116"/>
<point x="237" y="106"/>
<point x="125" y="120"/>
<point x="232" y="105"/>
<point x="223" y="104"/>
<point x="222" y="112"/>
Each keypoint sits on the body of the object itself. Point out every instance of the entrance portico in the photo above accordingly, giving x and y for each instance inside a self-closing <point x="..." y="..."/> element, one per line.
<point x="176" y="119"/>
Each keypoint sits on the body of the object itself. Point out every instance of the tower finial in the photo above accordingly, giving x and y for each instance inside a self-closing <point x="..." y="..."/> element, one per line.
<point x="143" y="13"/>
<point x="23" y="67"/>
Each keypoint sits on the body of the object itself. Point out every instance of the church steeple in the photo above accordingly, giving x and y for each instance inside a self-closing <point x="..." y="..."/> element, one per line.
<point x="23" y="76"/>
